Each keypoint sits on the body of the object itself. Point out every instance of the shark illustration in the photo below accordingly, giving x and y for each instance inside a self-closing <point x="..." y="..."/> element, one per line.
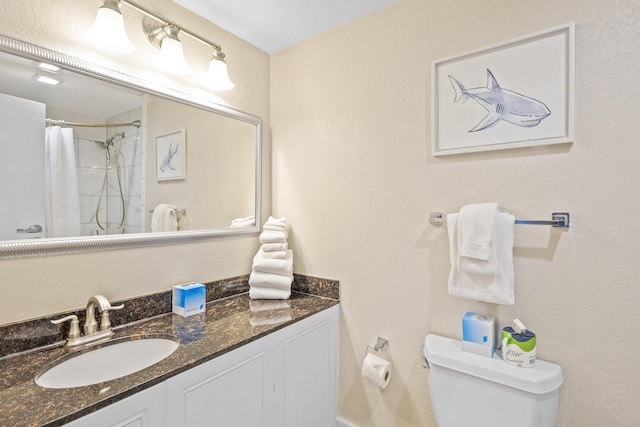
<point x="167" y="162"/>
<point x="502" y="104"/>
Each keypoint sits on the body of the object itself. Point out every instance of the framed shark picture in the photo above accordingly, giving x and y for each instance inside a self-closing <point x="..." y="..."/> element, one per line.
<point x="519" y="93"/>
<point x="171" y="156"/>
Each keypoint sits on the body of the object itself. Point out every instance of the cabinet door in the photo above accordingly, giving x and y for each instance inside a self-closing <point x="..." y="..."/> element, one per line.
<point x="233" y="390"/>
<point x="143" y="409"/>
<point x="306" y="383"/>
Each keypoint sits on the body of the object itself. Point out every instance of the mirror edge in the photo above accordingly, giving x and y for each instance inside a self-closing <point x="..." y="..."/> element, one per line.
<point x="59" y="246"/>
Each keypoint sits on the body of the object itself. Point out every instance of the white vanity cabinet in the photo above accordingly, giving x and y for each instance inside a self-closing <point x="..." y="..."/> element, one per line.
<point x="285" y="379"/>
<point x="235" y="389"/>
<point x="143" y="409"/>
<point x="307" y="372"/>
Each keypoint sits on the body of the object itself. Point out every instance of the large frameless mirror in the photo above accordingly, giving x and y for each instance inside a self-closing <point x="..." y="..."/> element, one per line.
<point x="92" y="159"/>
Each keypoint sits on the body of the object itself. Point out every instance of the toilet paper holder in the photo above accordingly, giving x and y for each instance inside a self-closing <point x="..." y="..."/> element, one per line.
<point x="381" y="345"/>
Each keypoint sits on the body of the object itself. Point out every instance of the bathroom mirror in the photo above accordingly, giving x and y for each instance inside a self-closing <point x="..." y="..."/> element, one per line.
<point x="154" y="166"/>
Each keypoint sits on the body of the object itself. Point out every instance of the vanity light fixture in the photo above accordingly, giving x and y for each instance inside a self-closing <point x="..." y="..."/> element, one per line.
<point x="166" y="38"/>
<point x="108" y="31"/>
<point x="165" y="35"/>
<point x="218" y="76"/>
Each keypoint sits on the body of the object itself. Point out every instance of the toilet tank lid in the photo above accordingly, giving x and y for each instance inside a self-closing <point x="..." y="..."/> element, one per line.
<point x="542" y="378"/>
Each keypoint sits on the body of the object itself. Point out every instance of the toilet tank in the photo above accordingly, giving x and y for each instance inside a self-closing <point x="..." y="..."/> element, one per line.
<point x="471" y="390"/>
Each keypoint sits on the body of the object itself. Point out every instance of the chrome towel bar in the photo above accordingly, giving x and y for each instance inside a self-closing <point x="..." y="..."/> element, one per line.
<point x="558" y="220"/>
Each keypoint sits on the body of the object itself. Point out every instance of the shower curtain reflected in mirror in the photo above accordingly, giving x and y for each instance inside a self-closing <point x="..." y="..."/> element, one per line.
<point x="62" y="200"/>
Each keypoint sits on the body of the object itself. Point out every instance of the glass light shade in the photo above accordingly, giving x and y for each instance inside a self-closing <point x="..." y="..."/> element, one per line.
<point x="171" y="57"/>
<point x="108" y="31"/>
<point x="218" y="76"/>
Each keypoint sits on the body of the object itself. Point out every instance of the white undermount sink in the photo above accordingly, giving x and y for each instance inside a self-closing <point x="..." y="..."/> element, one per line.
<point x="108" y="362"/>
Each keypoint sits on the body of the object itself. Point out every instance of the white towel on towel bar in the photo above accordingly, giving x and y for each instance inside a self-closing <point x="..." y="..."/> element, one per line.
<point x="476" y="238"/>
<point x="496" y="288"/>
<point x="475" y="230"/>
<point x="164" y="218"/>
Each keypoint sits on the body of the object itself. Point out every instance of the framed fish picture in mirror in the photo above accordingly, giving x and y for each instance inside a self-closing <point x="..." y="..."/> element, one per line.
<point x="519" y="93"/>
<point x="171" y="156"/>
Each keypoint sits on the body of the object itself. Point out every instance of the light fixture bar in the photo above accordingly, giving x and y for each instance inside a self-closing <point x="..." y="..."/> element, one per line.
<point x="183" y="30"/>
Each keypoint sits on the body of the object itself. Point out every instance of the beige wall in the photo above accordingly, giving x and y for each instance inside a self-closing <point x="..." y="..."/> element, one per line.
<point x="38" y="286"/>
<point x="354" y="175"/>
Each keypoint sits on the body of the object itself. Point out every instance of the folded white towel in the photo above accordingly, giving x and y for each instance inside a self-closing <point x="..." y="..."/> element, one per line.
<point x="269" y="293"/>
<point x="475" y="229"/>
<point x="282" y="221"/>
<point x="260" y="279"/>
<point x="268" y="227"/>
<point x="274" y="254"/>
<point x="498" y="288"/>
<point x="273" y="237"/>
<point x="476" y="235"/>
<point x="271" y="247"/>
<point x="282" y="266"/>
<point x="243" y="222"/>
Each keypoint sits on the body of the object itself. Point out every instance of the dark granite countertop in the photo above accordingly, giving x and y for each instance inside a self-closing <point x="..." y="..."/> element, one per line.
<point x="227" y="324"/>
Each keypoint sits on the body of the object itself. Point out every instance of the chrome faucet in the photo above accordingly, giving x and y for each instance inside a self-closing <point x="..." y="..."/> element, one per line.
<point x="91" y="332"/>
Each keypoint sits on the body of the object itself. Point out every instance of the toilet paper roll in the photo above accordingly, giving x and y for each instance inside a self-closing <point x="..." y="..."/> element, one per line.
<point x="376" y="369"/>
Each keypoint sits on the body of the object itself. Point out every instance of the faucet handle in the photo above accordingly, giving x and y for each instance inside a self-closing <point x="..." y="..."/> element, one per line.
<point x="74" y="328"/>
<point x="105" y="321"/>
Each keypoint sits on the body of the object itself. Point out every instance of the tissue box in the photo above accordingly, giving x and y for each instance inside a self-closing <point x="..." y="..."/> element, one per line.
<point x="189" y="299"/>
<point x="478" y="333"/>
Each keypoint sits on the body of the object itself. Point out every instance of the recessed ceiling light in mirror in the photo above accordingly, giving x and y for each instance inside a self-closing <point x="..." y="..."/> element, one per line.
<point x="45" y="66"/>
<point x="46" y="79"/>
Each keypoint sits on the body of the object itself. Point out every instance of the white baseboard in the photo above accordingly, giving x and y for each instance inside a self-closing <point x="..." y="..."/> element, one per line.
<point x="341" y="422"/>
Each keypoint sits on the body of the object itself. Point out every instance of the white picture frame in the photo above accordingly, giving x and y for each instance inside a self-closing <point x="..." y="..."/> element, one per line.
<point x="520" y="93"/>
<point x="171" y="156"/>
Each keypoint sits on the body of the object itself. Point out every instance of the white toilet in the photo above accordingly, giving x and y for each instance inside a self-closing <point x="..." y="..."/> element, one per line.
<point x="468" y="390"/>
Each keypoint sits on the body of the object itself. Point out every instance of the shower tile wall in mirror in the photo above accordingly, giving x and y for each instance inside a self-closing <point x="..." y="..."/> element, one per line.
<point x="64" y="180"/>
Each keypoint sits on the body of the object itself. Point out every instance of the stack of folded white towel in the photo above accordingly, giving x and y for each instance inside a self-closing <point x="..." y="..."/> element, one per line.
<point x="272" y="271"/>
<point x="481" y="253"/>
